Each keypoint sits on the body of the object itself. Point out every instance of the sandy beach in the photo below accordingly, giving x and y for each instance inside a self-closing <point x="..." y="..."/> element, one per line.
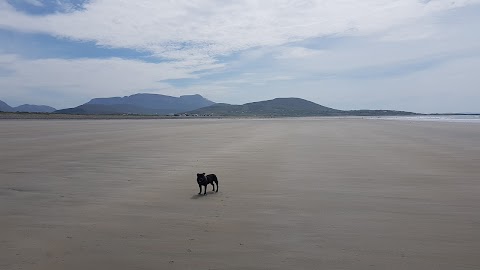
<point x="293" y="194"/>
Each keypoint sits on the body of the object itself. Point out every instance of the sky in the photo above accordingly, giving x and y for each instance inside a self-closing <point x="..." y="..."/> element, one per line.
<point x="413" y="55"/>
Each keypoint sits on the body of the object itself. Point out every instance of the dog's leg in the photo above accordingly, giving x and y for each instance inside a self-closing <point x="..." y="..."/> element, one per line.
<point x="205" y="193"/>
<point x="200" y="186"/>
<point x="213" y="187"/>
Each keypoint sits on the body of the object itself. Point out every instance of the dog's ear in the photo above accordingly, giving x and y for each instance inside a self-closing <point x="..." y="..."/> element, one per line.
<point x="203" y="173"/>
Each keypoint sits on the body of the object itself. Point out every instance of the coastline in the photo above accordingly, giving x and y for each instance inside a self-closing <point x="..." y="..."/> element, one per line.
<point x="54" y="116"/>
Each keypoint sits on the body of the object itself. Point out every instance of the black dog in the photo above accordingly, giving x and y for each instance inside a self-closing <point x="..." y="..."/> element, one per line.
<point x="203" y="180"/>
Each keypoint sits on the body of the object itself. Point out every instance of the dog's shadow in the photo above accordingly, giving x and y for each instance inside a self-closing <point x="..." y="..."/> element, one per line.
<point x="200" y="196"/>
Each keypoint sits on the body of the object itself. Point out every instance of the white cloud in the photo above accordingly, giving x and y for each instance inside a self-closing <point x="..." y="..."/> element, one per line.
<point x="205" y="29"/>
<point x="87" y="78"/>
<point x="297" y="52"/>
<point x="36" y="3"/>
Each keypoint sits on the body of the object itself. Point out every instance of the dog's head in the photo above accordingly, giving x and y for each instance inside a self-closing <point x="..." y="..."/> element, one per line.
<point x="201" y="178"/>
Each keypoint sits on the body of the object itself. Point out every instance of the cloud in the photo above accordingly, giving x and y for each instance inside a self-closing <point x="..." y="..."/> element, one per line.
<point x="64" y="81"/>
<point x="36" y="3"/>
<point x="207" y="29"/>
<point x="297" y="53"/>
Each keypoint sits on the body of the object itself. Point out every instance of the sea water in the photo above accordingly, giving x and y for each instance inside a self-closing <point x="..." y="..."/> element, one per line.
<point x="437" y="118"/>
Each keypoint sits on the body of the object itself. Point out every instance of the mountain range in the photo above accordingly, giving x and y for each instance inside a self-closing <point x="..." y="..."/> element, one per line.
<point x="274" y="107"/>
<point x="140" y="104"/>
<point x="286" y="107"/>
<point x="4" y="107"/>
<point x="156" y="104"/>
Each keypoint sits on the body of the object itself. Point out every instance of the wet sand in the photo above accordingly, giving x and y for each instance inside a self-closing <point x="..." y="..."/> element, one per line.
<point x="294" y="194"/>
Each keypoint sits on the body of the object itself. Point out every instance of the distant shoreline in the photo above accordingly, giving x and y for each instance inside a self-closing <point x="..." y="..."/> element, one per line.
<point x="55" y="116"/>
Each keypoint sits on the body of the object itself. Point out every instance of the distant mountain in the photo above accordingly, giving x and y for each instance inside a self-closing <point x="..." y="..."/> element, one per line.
<point x="26" y="108"/>
<point x="4" y="107"/>
<point x="377" y="113"/>
<point x="34" y="108"/>
<point x="140" y="104"/>
<point x="155" y="104"/>
<point x="285" y="107"/>
<point x="112" y="109"/>
<point x="274" y="107"/>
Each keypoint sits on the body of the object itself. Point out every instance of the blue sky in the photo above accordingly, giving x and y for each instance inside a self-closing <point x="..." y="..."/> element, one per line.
<point x="414" y="55"/>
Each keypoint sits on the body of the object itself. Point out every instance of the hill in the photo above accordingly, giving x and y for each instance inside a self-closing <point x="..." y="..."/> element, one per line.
<point x="34" y="108"/>
<point x="112" y="109"/>
<point x="4" y="107"/>
<point x="286" y="107"/>
<point x="140" y="104"/>
<point x="377" y="113"/>
<point x="274" y="107"/>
